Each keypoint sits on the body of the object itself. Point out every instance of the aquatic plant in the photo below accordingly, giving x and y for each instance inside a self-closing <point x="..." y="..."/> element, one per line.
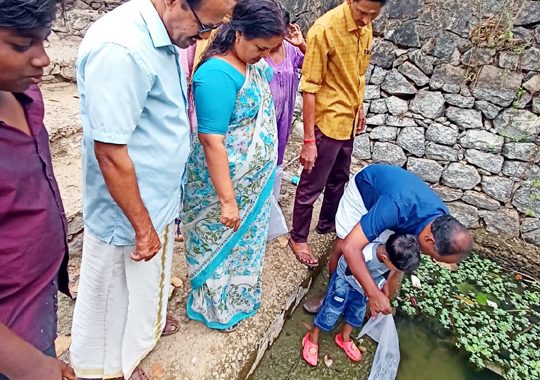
<point x="488" y="312"/>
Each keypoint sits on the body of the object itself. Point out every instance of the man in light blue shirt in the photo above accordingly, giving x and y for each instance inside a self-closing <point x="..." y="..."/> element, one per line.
<point x="136" y="141"/>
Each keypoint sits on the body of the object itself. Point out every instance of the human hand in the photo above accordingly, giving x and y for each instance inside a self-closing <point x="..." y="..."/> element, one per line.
<point x="295" y="38"/>
<point x="48" y="368"/>
<point x="379" y="303"/>
<point x="308" y="155"/>
<point x="230" y="215"/>
<point x="360" y="121"/>
<point x="147" y="244"/>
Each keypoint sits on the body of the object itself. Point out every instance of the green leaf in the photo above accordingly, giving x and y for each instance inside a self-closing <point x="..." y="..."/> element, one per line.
<point x="482" y="299"/>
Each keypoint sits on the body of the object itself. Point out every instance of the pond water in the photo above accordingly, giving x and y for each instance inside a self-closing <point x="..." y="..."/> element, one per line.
<point x="424" y="355"/>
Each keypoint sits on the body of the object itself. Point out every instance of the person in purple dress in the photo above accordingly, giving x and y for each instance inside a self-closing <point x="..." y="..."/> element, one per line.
<point x="285" y="60"/>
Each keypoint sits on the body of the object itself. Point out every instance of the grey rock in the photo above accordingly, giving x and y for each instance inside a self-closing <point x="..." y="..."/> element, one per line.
<point x="509" y="60"/>
<point x="378" y="75"/>
<point x="536" y="105"/>
<point x="388" y="153"/>
<point x="465" y="118"/>
<point x="522" y="151"/>
<point x="531" y="59"/>
<point x="429" y="104"/>
<point x="519" y="170"/>
<point x="523" y="98"/>
<point x="466" y="214"/>
<point x="413" y="73"/>
<point x="447" y="76"/>
<point x="372" y="92"/>
<point x="403" y="9"/>
<point x="362" y="147"/>
<point x="478" y="56"/>
<point x="482" y="140"/>
<point x="460" y="176"/>
<point x="442" y="134"/>
<point x="397" y="106"/>
<point x="440" y="152"/>
<point x="383" y="54"/>
<point x="447" y="194"/>
<point x="445" y="45"/>
<point x="396" y="84"/>
<point x="530" y="230"/>
<point x="379" y="119"/>
<point x="537" y="34"/>
<point x="406" y="35"/>
<point x="533" y="84"/>
<point x="491" y="162"/>
<point x="480" y="200"/>
<point x="530" y="14"/>
<point x="422" y="61"/>
<point x="459" y="100"/>
<point x="518" y="125"/>
<point x="428" y="170"/>
<point x="397" y="121"/>
<point x="498" y="187"/>
<point x="462" y="21"/>
<point x="384" y="133"/>
<point x="378" y="106"/>
<point x="497" y="86"/>
<point x="504" y="221"/>
<point x="489" y="110"/>
<point x="412" y="140"/>
<point x="527" y="199"/>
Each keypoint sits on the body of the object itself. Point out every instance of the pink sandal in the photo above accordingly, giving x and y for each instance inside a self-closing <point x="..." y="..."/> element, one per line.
<point x="349" y="347"/>
<point x="310" y="351"/>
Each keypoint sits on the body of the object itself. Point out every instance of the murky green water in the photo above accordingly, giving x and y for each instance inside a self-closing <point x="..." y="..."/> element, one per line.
<point x="424" y="356"/>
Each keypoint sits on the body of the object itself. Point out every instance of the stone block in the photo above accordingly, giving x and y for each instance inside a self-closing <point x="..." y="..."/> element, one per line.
<point x="531" y="59"/>
<point x="460" y="176"/>
<point x="422" y="61"/>
<point x="396" y="84"/>
<point x="527" y="198"/>
<point x="362" y="147"/>
<point x="406" y="35"/>
<point x="497" y="86"/>
<point x="397" y="106"/>
<point x="482" y="140"/>
<point x="480" y="200"/>
<point x="478" y="56"/>
<point x="388" y="153"/>
<point x="377" y="75"/>
<point x="428" y="170"/>
<point x="440" y="152"/>
<point x="465" y="118"/>
<point x="383" y="54"/>
<point x="412" y="140"/>
<point x="498" y="187"/>
<point x="384" y="133"/>
<point x="372" y="92"/>
<point x="413" y="73"/>
<point x="466" y="214"/>
<point x="447" y="194"/>
<point x="429" y="104"/>
<point x="447" y="75"/>
<point x="397" y="121"/>
<point x="378" y="119"/>
<point x="441" y="134"/>
<point x="403" y="9"/>
<point x="459" y="100"/>
<point x="504" y="221"/>
<point x="529" y="14"/>
<point x="519" y="170"/>
<point x="491" y="162"/>
<point x="533" y="84"/>
<point x="489" y="110"/>
<point x="530" y="230"/>
<point x="529" y="152"/>
<point x="518" y="125"/>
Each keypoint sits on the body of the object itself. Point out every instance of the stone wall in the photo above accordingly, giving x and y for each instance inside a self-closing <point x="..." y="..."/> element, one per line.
<point x="453" y="95"/>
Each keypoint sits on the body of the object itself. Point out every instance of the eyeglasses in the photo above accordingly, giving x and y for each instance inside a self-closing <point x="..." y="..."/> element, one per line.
<point x="202" y="27"/>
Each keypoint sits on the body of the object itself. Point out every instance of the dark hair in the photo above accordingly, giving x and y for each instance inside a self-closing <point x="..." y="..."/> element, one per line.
<point x="286" y="17"/>
<point x="403" y="251"/>
<point x="252" y="18"/>
<point x="445" y="229"/>
<point x="28" y="15"/>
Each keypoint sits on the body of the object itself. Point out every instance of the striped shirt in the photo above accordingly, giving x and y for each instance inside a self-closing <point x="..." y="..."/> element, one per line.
<point x="335" y="64"/>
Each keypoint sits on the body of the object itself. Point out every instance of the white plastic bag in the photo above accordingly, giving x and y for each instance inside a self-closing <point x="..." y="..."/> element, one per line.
<point x="383" y="330"/>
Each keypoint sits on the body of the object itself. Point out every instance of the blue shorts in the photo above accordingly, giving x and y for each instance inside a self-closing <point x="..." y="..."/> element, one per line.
<point x="341" y="300"/>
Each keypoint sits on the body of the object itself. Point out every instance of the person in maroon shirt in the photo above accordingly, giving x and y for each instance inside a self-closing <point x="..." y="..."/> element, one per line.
<point x="33" y="226"/>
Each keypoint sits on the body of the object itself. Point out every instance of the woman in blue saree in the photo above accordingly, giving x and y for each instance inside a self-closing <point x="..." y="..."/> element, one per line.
<point x="230" y="172"/>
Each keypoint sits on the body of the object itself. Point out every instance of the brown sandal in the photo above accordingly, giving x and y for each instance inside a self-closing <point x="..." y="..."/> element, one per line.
<point x="171" y="326"/>
<point x="304" y="255"/>
<point x="139" y="374"/>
